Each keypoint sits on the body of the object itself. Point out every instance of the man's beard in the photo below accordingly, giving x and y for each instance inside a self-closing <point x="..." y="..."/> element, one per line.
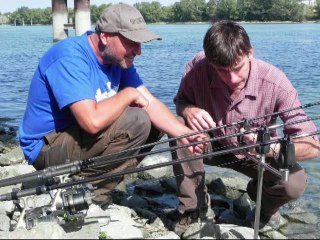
<point x="108" y="57"/>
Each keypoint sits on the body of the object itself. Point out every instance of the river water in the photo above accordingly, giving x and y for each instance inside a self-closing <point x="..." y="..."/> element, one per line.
<point x="294" y="48"/>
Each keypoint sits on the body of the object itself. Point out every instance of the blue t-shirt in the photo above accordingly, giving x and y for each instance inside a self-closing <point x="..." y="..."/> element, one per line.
<point x="67" y="73"/>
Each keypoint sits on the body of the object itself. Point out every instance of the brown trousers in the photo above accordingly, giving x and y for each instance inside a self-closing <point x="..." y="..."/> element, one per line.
<point x="132" y="129"/>
<point x="275" y="193"/>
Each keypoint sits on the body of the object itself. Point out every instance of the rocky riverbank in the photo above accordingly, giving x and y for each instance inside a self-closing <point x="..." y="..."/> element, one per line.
<point x="144" y="206"/>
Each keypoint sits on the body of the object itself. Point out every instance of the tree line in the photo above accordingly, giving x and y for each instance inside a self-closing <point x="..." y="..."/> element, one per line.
<point x="188" y="11"/>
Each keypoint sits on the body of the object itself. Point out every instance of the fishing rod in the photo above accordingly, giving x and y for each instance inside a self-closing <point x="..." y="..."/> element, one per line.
<point x="245" y="122"/>
<point x="73" y="197"/>
<point x="100" y="161"/>
<point x="77" y="166"/>
<point x="47" y="188"/>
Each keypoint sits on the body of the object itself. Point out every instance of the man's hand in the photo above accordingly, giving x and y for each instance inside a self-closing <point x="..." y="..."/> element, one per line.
<point x="251" y="138"/>
<point x="248" y="139"/>
<point x="199" y="148"/>
<point x="198" y="119"/>
<point x="140" y="101"/>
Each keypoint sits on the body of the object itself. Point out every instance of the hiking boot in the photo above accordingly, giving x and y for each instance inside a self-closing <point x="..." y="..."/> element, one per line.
<point x="207" y="212"/>
<point x="103" y="201"/>
<point x="267" y="222"/>
<point x="194" y="216"/>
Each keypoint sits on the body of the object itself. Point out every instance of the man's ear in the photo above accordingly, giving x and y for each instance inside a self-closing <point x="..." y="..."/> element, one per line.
<point x="104" y="38"/>
<point x="251" y="53"/>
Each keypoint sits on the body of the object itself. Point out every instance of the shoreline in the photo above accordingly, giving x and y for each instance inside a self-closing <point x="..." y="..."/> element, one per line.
<point x="191" y="23"/>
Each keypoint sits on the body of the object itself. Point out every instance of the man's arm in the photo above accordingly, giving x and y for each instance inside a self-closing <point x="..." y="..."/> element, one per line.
<point x="95" y="116"/>
<point x="306" y="148"/>
<point x="198" y="119"/>
<point x="166" y="121"/>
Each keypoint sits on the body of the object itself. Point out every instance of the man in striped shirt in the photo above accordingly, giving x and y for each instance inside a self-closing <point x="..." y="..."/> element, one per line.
<point x="225" y="84"/>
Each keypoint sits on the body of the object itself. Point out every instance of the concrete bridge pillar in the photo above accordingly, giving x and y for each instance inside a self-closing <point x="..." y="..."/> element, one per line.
<point x="82" y="16"/>
<point x="59" y="19"/>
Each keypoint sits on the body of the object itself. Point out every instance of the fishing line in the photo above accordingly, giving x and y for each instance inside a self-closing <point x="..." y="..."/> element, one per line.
<point x="100" y="161"/>
<point x="47" y="188"/>
<point x="229" y="125"/>
<point x="75" y="167"/>
<point x="175" y="162"/>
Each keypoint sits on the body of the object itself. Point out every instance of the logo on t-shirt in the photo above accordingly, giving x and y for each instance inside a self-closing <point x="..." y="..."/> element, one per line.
<point x="107" y="94"/>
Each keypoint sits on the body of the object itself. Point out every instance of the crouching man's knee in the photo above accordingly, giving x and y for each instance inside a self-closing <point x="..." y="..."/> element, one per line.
<point x="296" y="184"/>
<point x="138" y="122"/>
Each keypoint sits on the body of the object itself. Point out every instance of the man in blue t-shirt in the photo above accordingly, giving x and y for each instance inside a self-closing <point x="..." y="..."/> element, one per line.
<point x="86" y="99"/>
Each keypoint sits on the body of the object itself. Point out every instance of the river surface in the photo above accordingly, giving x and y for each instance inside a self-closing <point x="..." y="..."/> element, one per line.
<point x="294" y="48"/>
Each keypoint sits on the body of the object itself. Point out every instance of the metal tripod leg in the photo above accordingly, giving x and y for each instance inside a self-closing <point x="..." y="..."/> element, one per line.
<point x="259" y="193"/>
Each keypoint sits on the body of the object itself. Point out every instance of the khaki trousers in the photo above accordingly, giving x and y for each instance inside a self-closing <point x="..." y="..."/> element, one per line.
<point x="132" y="129"/>
<point x="275" y="193"/>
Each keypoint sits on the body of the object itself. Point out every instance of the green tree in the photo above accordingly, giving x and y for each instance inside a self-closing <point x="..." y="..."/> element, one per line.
<point x="167" y="14"/>
<point x="46" y="16"/>
<point x="21" y="16"/>
<point x="244" y="7"/>
<point x="260" y="10"/>
<point x="228" y="9"/>
<point x="189" y="10"/>
<point x="152" y="12"/>
<point x="211" y="10"/>
<point x="71" y="15"/>
<point x="317" y="8"/>
<point x="28" y="16"/>
<point x="95" y="11"/>
<point x="35" y="16"/>
<point x="287" y="10"/>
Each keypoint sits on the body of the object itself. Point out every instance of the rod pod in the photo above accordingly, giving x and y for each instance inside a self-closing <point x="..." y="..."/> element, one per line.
<point x="263" y="137"/>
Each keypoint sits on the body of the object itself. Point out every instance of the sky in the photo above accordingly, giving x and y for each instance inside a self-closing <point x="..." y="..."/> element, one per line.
<point x="12" y="5"/>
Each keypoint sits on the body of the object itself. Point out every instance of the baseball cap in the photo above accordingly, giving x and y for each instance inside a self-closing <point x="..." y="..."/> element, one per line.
<point x="126" y="20"/>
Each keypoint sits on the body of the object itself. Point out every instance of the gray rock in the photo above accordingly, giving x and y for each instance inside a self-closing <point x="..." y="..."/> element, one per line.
<point x="88" y="230"/>
<point x="96" y="214"/>
<point x="15" y="156"/>
<point x="231" y="188"/>
<point x="303" y="217"/>
<point x="156" y="172"/>
<point x="6" y="206"/>
<point x="15" y="170"/>
<point x="243" y="205"/>
<point x="5" y="222"/>
<point x="170" y="235"/>
<point x="230" y="231"/>
<point x="40" y="231"/>
<point x="202" y="230"/>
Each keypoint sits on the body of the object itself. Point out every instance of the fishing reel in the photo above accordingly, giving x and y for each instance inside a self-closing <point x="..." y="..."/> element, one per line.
<point x="77" y="198"/>
<point x="286" y="157"/>
<point x="67" y="204"/>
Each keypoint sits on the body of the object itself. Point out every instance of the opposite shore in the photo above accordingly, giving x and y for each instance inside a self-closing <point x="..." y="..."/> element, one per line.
<point x="197" y="23"/>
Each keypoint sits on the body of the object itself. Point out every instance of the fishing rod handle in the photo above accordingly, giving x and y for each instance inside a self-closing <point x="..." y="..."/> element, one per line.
<point x="17" y="194"/>
<point x="40" y="177"/>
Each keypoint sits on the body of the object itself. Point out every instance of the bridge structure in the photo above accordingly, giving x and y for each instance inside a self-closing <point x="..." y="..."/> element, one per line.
<point x="60" y="23"/>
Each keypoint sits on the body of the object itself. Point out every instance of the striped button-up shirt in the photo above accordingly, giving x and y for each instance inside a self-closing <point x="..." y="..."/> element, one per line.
<point x="267" y="90"/>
